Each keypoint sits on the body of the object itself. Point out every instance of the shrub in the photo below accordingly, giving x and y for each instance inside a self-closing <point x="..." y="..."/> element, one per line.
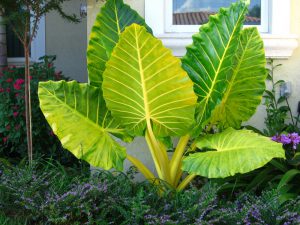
<point x="12" y="114"/>
<point x="24" y="189"/>
<point x="51" y="195"/>
<point x="4" y="220"/>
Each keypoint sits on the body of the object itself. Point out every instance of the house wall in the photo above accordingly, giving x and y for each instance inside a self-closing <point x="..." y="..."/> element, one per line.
<point x="290" y="71"/>
<point x="68" y="41"/>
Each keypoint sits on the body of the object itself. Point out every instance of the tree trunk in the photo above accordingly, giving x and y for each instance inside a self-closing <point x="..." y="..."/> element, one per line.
<point x="28" y="103"/>
<point x="3" y="46"/>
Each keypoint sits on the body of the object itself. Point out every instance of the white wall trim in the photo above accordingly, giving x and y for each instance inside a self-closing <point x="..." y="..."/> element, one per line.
<point x="38" y="46"/>
<point x="279" y="42"/>
<point x="276" y="46"/>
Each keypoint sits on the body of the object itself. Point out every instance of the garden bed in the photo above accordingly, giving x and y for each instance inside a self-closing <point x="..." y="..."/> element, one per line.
<point x="47" y="193"/>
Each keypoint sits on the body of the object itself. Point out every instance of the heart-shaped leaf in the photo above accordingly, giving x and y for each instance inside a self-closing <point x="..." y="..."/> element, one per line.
<point x="78" y="116"/>
<point x="232" y="152"/>
<point x="209" y="59"/>
<point x="144" y="84"/>
<point x="114" y="17"/>
<point x="247" y="83"/>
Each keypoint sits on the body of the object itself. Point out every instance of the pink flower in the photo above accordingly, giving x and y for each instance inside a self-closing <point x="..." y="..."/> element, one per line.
<point x="17" y="87"/>
<point x="5" y="139"/>
<point x="17" y="127"/>
<point x="9" y="80"/>
<point x="17" y="94"/>
<point x="8" y="90"/>
<point x="1" y="90"/>
<point x="20" y="81"/>
<point x="15" y="114"/>
<point x="30" y="77"/>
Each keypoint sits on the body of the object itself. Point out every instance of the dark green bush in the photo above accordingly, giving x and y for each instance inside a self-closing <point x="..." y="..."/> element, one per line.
<point x="48" y="194"/>
<point x="12" y="114"/>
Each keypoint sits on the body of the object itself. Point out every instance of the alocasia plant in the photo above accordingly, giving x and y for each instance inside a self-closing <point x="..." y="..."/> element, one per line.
<point x="138" y="88"/>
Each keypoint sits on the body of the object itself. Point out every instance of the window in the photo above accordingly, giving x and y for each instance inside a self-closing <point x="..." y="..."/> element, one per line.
<point x="189" y="14"/>
<point x="14" y="46"/>
<point x="175" y="21"/>
<point x="15" y="51"/>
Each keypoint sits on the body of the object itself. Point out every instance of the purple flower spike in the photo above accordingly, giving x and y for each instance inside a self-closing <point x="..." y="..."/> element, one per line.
<point x="295" y="138"/>
<point x="275" y="138"/>
<point x="284" y="139"/>
<point x="292" y="138"/>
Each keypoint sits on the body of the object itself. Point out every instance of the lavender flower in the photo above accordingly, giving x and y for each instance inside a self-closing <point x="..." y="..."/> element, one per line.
<point x="295" y="139"/>
<point x="285" y="139"/>
<point x="292" y="138"/>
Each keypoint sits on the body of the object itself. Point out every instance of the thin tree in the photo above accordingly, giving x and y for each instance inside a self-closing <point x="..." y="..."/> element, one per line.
<point x="23" y="17"/>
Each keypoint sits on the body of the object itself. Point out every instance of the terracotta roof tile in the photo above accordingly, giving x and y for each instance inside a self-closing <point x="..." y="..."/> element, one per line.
<point x="196" y="18"/>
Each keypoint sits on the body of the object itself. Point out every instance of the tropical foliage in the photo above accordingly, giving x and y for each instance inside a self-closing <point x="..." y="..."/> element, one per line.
<point x="139" y="89"/>
<point x="46" y="193"/>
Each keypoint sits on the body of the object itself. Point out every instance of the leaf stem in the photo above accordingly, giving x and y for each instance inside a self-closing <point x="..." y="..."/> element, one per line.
<point x="142" y="168"/>
<point x="185" y="182"/>
<point x="159" y="153"/>
<point x="154" y="156"/>
<point x="290" y="111"/>
<point x="177" y="157"/>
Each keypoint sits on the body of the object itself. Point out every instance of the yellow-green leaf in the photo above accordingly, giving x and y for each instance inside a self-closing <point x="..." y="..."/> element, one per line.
<point x="145" y="84"/>
<point x="113" y="18"/>
<point x="247" y="84"/>
<point x="231" y="152"/>
<point x="78" y="116"/>
<point x="209" y="59"/>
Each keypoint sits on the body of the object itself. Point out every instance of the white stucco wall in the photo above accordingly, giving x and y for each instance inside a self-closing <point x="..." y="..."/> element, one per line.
<point x="289" y="71"/>
<point x="68" y="41"/>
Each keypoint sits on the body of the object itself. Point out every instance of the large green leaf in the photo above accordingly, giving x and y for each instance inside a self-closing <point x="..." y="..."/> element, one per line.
<point x="247" y="84"/>
<point x="233" y="151"/>
<point x="208" y="60"/>
<point x="114" y="17"/>
<point x="144" y="84"/>
<point x="78" y="116"/>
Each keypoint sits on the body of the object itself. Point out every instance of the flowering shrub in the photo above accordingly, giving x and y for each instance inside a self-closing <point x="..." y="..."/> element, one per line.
<point x="290" y="140"/>
<point x="12" y="114"/>
<point x="50" y="195"/>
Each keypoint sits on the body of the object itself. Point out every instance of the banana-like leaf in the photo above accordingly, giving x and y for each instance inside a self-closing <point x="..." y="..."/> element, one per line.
<point x="247" y="84"/>
<point x="114" y="17"/>
<point x="78" y="116"/>
<point x="232" y="152"/>
<point x="208" y="60"/>
<point x="144" y="84"/>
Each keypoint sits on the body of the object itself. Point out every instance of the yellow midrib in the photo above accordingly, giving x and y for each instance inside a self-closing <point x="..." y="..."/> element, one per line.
<point x="236" y="71"/>
<point x="117" y="18"/>
<point x="143" y="83"/>
<point x="219" y="67"/>
<point x="231" y="84"/>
